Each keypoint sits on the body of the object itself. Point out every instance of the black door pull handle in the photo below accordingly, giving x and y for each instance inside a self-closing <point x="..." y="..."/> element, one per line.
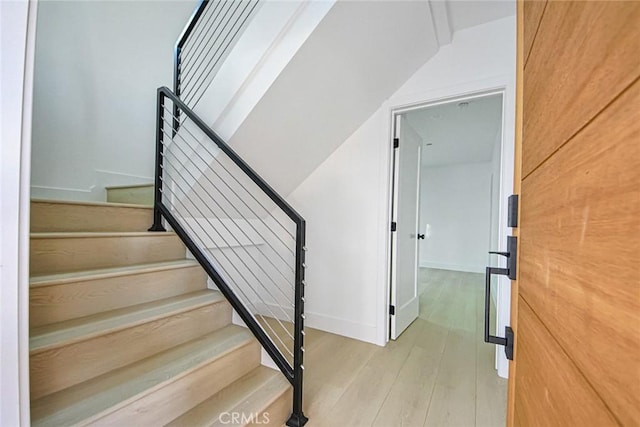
<point x="510" y="271"/>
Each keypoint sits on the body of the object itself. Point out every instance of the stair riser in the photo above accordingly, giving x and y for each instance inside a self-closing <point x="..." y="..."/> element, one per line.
<point x="65" y="301"/>
<point x="62" y="367"/>
<point x="133" y="195"/>
<point x="277" y="412"/>
<point x="164" y="404"/>
<point x="51" y="217"/>
<point x="58" y="255"/>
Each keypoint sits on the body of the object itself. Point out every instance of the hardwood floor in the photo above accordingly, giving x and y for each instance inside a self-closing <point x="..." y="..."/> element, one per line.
<point x="438" y="373"/>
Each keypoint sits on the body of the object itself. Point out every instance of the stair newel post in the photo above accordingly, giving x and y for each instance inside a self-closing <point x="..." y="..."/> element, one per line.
<point x="297" y="418"/>
<point x="157" y="199"/>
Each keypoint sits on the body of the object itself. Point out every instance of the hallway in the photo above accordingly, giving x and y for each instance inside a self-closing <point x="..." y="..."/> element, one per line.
<point x="438" y="373"/>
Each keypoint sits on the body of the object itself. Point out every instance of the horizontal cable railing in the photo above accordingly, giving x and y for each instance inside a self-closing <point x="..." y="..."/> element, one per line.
<point x="205" y="43"/>
<point x="247" y="238"/>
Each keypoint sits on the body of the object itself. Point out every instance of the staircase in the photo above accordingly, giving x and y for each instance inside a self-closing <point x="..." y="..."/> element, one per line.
<point x="124" y="330"/>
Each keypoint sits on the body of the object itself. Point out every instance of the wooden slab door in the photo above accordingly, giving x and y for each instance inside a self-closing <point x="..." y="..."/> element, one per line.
<point x="576" y="303"/>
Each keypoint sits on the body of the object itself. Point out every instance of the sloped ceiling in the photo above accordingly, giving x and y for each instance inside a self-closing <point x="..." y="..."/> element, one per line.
<point x="358" y="56"/>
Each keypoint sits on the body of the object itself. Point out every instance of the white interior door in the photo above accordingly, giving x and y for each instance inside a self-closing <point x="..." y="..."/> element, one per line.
<point x="405" y="214"/>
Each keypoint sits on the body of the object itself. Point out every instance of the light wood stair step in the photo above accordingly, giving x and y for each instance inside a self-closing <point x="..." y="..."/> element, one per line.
<point x="67" y="353"/>
<point x="66" y="252"/>
<point x="263" y="396"/>
<point x="155" y="390"/>
<point x="64" y="296"/>
<point x="141" y="194"/>
<point x="53" y="215"/>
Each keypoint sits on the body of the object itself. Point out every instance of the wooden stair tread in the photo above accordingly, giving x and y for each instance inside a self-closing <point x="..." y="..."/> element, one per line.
<point x="83" y="203"/>
<point x="249" y="395"/>
<point x="93" y="234"/>
<point x="101" y="395"/>
<point x="64" y="333"/>
<point x="103" y="273"/>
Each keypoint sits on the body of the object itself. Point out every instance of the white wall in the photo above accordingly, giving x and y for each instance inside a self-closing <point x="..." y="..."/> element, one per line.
<point x="274" y="35"/>
<point x="16" y="79"/>
<point x="98" y="65"/>
<point x="455" y="212"/>
<point x="359" y="54"/>
<point x="346" y="199"/>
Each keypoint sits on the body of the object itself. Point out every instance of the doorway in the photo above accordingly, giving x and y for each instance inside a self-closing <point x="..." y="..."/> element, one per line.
<point x="447" y="191"/>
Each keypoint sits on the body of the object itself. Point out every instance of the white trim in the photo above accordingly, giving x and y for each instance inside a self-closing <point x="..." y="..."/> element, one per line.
<point x="334" y="325"/>
<point x="96" y="192"/>
<point x="16" y="84"/>
<point x="499" y="84"/>
<point x="112" y="179"/>
<point x="344" y="327"/>
<point x="266" y="360"/>
<point x="25" y="214"/>
<point x="61" y="193"/>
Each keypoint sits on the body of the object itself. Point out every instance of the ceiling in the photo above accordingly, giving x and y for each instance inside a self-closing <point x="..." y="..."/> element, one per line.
<point x="469" y="13"/>
<point x="458" y="133"/>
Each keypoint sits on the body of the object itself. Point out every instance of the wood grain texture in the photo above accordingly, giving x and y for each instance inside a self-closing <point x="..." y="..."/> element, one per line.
<point x="65" y="365"/>
<point x="580" y="251"/>
<point x="532" y="13"/>
<point x="262" y="397"/>
<point x="452" y="383"/>
<point x="157" y="389"/>
<point x="159" y="408"/>
<point x="49" y="216"/>
<point x="550" y="390"/>
<point x="517" y="189"/>
<point x="568" y="83"/>
<point x="61" y="297"/>
<point x="65" y="252"/>
<point x="351" y="383"/>
<point x="279" y="410"/>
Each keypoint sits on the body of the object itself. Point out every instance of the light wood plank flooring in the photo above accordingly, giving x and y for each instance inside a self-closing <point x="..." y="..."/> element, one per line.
<point x="438" y="373"/>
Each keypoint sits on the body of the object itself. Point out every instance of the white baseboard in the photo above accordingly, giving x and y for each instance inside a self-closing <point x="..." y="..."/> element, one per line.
<point x="334" y="325"/>
<point x="265" y="359"/>
<point x="92" y="194"/>
<point x="106" y="178"/>
<point x="453" y="267"/>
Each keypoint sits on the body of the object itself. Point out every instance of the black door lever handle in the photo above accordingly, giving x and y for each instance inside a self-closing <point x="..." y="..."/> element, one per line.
<point x="505" y="254"/>
<point x="421" y="236"/>
<point x="511" y="255"/>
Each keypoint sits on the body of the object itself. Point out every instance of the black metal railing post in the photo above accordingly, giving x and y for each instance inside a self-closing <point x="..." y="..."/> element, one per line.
<point x="298" y="418"/>
<point x="157" y="199"/>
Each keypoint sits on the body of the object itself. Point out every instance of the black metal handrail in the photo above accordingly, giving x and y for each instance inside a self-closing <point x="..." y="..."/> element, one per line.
<point x="208" y="36"/>
<point x="184" y="36"/>
<point x="294" y="373"/>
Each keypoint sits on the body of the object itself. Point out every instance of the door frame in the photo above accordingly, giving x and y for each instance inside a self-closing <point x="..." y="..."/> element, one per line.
<point x="504" y="85"/>
<point x="15" y="175"/>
